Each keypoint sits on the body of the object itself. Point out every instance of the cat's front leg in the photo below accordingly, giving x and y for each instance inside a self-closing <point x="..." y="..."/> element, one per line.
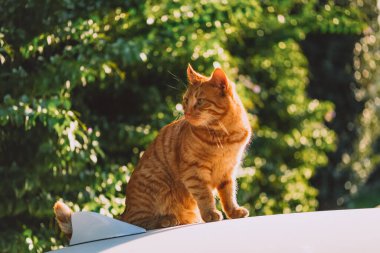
<point x="227" y="194"/>
<point x="201" y="191"/>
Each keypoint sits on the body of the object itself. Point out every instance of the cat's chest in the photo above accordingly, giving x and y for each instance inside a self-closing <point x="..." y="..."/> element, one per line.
<point x="227" y="155"/>
<point x="227" y="148"/>
<point x="222" y="157"/>
<point x="216" y="152"/>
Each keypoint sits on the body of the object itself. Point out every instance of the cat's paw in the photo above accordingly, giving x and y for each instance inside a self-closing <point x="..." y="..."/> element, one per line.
<point x="212" y="215"/>
<point x="239" y="212"/>
<point x="168" y="221"/>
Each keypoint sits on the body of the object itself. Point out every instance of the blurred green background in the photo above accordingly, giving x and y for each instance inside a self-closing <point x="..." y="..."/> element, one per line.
<point x="85" y="85"/>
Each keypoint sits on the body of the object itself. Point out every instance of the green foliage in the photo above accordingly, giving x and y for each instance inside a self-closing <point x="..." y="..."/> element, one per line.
<point x="297" y="140"/>
<point x="86" y="85"/>
<point x="362" y="183"/>
<point x="343" y="70"/>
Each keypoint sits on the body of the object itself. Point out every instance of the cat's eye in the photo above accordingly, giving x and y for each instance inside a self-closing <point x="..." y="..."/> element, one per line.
<point x="185" y="100"/>
<point x="200" y="101"/>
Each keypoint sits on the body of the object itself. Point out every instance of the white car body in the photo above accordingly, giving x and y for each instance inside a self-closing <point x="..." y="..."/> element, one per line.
<point x="348" y="231"/>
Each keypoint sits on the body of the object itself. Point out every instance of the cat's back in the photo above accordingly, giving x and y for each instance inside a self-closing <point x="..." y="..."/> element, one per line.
<point x="168" y="140"/>
<point x="155" y="173"/>
<point x="172" y="130"/>
<point x="161" y="153"/>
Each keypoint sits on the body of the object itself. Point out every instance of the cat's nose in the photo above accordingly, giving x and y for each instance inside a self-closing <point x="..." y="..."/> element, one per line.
<point x="187" y="115"/>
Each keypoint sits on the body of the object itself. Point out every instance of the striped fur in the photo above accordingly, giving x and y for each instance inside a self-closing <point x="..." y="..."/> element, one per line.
<point x="174" y="181"/>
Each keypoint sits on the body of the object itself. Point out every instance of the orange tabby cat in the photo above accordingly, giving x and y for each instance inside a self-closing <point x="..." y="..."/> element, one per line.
<point x="174" y="181"/>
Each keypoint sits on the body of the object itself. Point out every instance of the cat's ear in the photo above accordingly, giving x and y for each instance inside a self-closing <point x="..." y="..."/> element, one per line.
<point x="193" y="77"/>
<point x="220" y="80"/>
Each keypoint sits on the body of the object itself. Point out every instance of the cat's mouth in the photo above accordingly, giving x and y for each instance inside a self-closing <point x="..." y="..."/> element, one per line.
<point x="190" y="118"/>
<point x="193" y="119"/>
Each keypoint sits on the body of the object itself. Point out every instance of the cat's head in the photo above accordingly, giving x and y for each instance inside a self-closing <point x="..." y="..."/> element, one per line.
<point x="207" y="99"/>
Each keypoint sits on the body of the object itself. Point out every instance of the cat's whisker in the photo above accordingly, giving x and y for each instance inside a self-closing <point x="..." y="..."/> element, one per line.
<point x="223" y="127"/>
<point x="220" y="142"/>
<point x="173" y="87"/>
<point x="178" y="79"/>
<point x="209" y="132"/>
<point x="215" y="136"/>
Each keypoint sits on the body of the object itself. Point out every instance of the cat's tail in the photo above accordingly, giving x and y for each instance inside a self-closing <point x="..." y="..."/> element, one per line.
<point x="63" y="216"/>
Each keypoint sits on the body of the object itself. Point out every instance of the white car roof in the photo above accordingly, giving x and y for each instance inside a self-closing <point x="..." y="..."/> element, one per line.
<point x="346" y="231"/>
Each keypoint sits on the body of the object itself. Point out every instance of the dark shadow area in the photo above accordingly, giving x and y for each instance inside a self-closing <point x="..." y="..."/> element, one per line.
<point x="331" y="76"/>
